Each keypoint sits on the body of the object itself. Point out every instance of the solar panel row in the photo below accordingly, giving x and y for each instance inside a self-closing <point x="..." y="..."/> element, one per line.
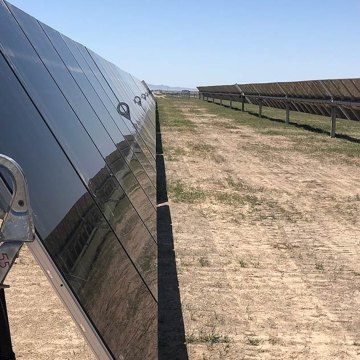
<point x="91" y="172"/>
<point x="316" y="97"/>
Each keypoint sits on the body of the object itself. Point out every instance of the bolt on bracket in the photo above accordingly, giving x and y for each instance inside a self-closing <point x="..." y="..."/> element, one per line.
<point x="137" y="100"/>
<point x="124" y="110"/>
<point x="17" y="226"/>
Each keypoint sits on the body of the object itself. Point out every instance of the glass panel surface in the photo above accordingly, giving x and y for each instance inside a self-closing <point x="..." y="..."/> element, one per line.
<point x="73" y="229"/>
<point x="81" y="73"/>
<point x="122" y="91"/>
<point x="78" y="146"/>
<point x="84" y="108"/>
<point x="102" y="83"/>
<point x="92" y="121"/>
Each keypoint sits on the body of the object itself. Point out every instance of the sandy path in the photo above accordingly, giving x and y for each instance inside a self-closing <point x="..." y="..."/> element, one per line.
<point x="271" y="271"/>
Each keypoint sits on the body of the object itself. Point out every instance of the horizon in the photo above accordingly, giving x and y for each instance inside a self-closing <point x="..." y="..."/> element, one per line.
<point x="176" y="44"/>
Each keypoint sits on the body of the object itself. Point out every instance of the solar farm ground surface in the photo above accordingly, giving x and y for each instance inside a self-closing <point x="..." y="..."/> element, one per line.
<point x="266" y="231"/>
<point x="266" y="234"/>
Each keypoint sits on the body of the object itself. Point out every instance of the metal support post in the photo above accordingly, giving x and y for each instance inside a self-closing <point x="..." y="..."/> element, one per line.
<point x="213" y="100"/>
<point x="333" y="122"/>
<point x="16" y="228"/>
<point x="230" y="104"/>
<point x="243" y="103"/>
<point x="221" y="102"/>
<point x="287" y="114"/>
<point x="260" y="108"/>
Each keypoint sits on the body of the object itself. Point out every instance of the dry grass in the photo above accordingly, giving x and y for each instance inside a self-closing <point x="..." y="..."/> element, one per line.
<point x="266" y="229"/>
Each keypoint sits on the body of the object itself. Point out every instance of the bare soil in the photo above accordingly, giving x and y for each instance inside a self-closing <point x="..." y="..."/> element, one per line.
<point x="267" y="243"/>
<point x="40" y="325"/>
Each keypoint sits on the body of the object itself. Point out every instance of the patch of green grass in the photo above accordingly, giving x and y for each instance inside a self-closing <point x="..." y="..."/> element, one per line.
<point x="172" y="116"/>
<point x="173" y="153"/>
<point x="207" y="338"/>
<point x="201" y="148"/>
<point x="183" y="193"/>
<point x="205" y="151"/>
<point x="272" y="132"/>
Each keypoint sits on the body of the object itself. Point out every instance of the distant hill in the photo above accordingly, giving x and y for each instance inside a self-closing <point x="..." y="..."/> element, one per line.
<point x="169" y="88"/>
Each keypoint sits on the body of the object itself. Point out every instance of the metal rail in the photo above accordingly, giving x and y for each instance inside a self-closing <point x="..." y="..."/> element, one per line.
<point x="327" y="102"/>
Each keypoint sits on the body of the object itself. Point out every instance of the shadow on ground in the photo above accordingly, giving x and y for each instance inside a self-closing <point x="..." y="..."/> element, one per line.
<point x="171" y="331"/>
<point x="309" y="128"/>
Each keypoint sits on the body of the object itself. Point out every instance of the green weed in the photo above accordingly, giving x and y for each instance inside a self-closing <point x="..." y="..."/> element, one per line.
<point x="183" y="193"/>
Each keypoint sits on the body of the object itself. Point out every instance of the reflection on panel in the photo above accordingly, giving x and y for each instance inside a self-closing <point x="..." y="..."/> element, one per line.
<point x="85" y="107"/>
<point x="90" y="174"/>
<point x="105" y="84"/>
<point x="85" y="143"/>
<point x="124" y="90"/>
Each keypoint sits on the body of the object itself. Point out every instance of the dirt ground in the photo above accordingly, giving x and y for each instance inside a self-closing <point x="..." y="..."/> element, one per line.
<point x="40" y="325"/>
<point x="266" y="240"/>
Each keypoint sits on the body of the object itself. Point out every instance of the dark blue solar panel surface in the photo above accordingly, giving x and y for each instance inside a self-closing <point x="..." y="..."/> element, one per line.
<point x="90" y="172"/>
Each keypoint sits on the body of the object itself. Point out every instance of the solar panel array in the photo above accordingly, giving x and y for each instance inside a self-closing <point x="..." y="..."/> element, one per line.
<point x="315" y="97"/>
<point x="83" y="132"/>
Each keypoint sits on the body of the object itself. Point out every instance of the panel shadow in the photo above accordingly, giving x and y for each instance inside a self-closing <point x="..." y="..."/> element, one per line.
<point x="310" y="128"/>
<point x="171" y="331"/>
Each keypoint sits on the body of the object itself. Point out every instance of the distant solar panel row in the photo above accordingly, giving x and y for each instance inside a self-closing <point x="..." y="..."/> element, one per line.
<point x="83" y="131"/>
<point x="316" y="97"/>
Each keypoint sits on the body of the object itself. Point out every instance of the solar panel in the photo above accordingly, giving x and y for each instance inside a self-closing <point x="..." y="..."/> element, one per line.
<point x="91" y="177"/>
<point x="314" y="96"/>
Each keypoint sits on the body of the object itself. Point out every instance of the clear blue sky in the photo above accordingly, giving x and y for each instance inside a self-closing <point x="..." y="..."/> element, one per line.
<point x="205" y="42"/>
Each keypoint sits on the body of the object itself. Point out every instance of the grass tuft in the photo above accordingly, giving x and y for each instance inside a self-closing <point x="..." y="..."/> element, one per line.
<point x="254" y="341"/>
<point x="204" y="261"/>
<point x="183" y="193"/>
<point x="211" y="338"/>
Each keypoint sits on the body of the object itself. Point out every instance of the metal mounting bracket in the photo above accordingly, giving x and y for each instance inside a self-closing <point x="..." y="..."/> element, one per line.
<point x="124" y="110"/>
<point x="17" y="226"/>
<point x="137" y="100"/>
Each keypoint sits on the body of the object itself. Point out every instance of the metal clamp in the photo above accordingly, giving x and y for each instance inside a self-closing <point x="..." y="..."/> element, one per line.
<point x="137" y="100"/>
<point x="124" y="110"/>
<point x="144" y="96"/>
<point x="17" y="226"/>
